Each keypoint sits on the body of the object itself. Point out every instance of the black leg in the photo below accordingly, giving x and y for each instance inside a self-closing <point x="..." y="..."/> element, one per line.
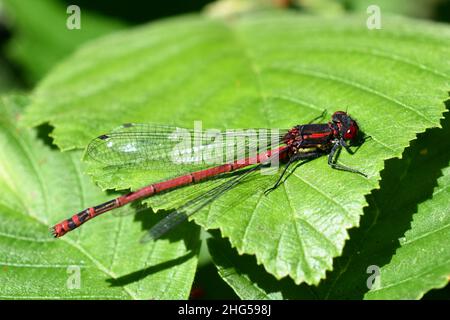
<point x="332" y="162"/>
<point x="363" y="139"/>
<point x="322" y="115"/>
<point x="266" y="192"/>
<point x="295" y="157"/>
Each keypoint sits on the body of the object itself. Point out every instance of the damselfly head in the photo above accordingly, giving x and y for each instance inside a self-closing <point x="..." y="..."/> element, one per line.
<point x="348" y="128"/>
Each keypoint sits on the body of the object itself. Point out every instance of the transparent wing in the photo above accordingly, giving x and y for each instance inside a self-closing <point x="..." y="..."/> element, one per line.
<point x="175" y="149"/>
<point x="163" y="152"/>
<point x="184" y="212"/>
<point x="178" y="197"/>
<point x="202" y="198"/>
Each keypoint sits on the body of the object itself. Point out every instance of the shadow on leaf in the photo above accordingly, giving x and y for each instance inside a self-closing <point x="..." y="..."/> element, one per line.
<point x="187" y="232"/>
<point x="141" y="274"/>
<point x="405" y="183"/>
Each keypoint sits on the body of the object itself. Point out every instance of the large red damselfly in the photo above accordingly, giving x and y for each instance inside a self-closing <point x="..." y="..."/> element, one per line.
<point x="157" y="147"/>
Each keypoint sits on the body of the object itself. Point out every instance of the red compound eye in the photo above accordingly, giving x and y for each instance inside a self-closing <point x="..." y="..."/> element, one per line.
<point x="352" y="132"/>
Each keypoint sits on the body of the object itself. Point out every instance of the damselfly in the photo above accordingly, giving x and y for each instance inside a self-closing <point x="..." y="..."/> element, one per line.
<point x="162" y="149"/>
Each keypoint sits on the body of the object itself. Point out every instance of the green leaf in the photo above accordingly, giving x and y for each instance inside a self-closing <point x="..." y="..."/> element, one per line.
<point x="262" y="70"/>
<point x="249" y="281"/>
<point x="422" y="262"/>
<point x="39" y="187"/>
<point x="41" y="38"/>
<point x="406" y="182"/>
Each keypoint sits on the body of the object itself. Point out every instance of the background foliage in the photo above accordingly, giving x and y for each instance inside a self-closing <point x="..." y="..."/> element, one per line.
<point x="75" y="88"/>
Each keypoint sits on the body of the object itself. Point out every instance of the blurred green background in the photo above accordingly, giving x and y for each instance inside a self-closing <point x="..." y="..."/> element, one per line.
<point x="33" y="39"/>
